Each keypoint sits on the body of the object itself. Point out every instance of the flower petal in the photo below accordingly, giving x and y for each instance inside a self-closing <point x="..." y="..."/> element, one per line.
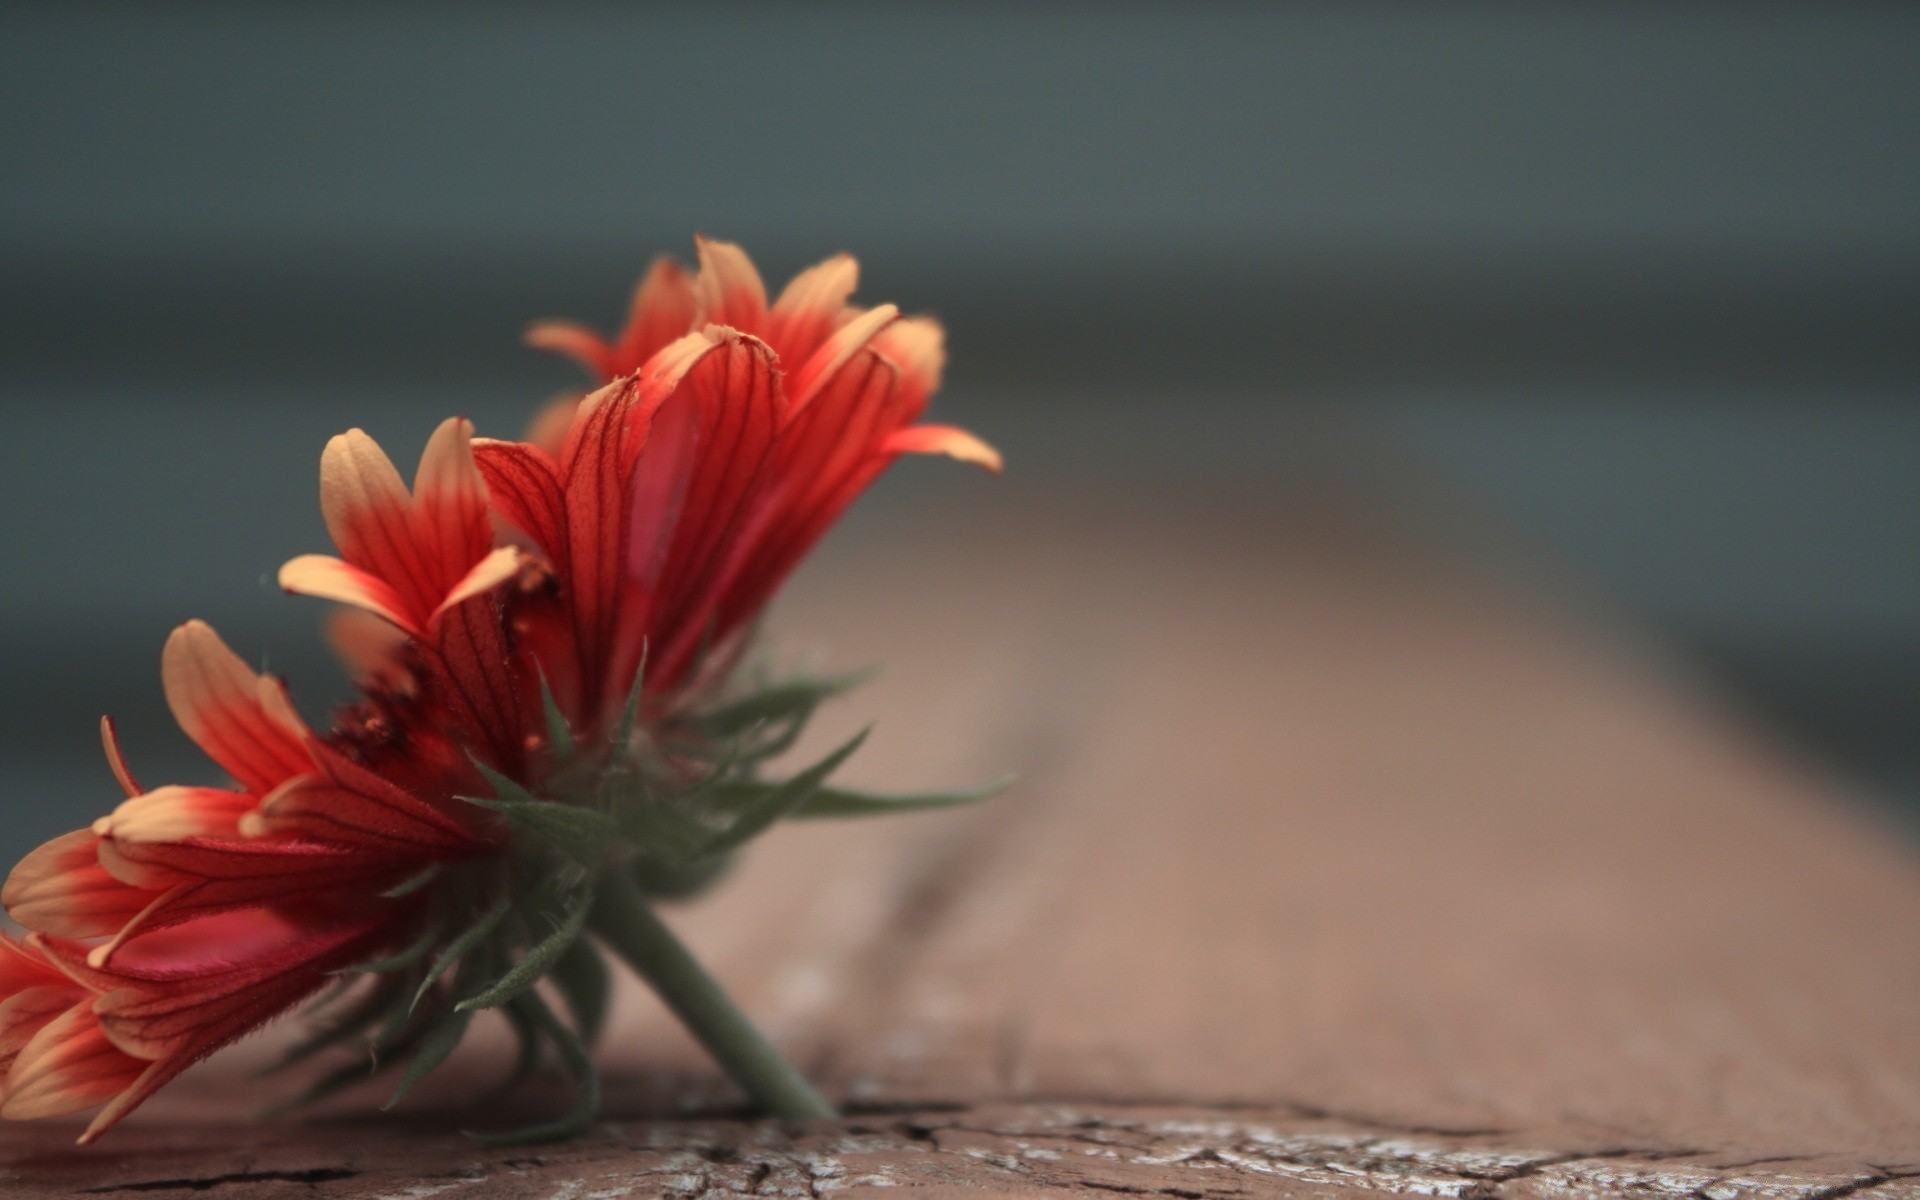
<point x="117" y="761"/>
<point x="328" y="578"/>
<point x="372" y="649"/>
<point x="942" y="439"/>
<point x="168" y="814"/>
<point x="548" y="429"/>
<point x="27" y="1011"/>
<point x="242" y="720"/>
<point x="916" y="345"/>
<point x="61" y="888"/>
<point x="452" y="531"/>
<point x="728" y="290"/>
<point x="489" y="573"/>
<point x="811" y="307"/>
<point x="576" y="341"/>
<point x="370" y="518"/>
<point x="67" y="1067"/>
<point x="663" y="309"/>
<point x="819" y="370"/>
<point x="524" y="485"/>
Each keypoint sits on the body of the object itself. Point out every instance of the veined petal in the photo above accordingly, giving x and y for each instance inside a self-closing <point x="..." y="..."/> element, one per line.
<point x="328" y="578"/>
<point x="663" y="308"/>
<point x="451" y="528"/>
<point x="576" y="341"/>
<point x="524" y="485"/>
<point x="728" y="290"/>
<point x="62" y="889"/>
<point x="490" y="572"/>
<point x="241" y="719"/>
<point x="942" y="439"/>
<point x="811" y="307"/>
<point x="170" y="813"/>
<point x="826" y="362"/>
<point x="369" y="515"/>
<point x="548" y="429"/>
<point x="67" y="1067"/>
<point x="27" y="1011"/>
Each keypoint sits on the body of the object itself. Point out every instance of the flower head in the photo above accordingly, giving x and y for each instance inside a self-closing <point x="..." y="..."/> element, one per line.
<point x="551" y="723"/>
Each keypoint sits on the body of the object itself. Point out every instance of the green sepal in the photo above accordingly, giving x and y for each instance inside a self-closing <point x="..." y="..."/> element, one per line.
<point x="413" y="883"/>
<point x="527" y="972"/>
<point x="662" y="832"/>
<point x="622" y="732"/>
<point x="581" y="975"/>
<point x="461" y="946"/>
<point x="559" y="734"/>
<point x="780" y="800"/>
<point x="434" y="1047"/>
<point x="581" y="834"/>
<point x="844" y="802"/>
<point x="366" y="1012"/>
<point x="401" y="960"/>
<point x="678" y="880"/>
<point x="526" y="1036"/>
<point x="787" y="699"/>
<point x="579" y="1064"/>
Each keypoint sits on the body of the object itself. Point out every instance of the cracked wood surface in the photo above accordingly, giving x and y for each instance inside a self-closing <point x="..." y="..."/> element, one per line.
<point x="1333" y="869"/>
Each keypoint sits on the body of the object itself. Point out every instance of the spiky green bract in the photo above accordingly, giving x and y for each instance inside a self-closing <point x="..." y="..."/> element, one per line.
<point x="654" y="808"/>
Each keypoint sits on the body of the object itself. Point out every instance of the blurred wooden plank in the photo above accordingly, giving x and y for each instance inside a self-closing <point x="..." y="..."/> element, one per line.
<point x="1333" y="868"/>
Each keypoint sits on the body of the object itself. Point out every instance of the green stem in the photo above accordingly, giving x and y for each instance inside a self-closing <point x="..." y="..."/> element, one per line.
<point x="626" y="922"/>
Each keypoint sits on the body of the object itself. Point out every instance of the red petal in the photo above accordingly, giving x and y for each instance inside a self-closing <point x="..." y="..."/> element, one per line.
<point x="811" y="307"/>
<point x="524" y="485"/>
<point x="328" y="578"/>
<point x="62" y="889"/>
<point x="67" y="1067"/>
<point x="728" y="290"/>
<point x="575" y="341"/>
<point x="663" y="309"/>
<point x="242" y="720"/>
<point x="942" y="439"/>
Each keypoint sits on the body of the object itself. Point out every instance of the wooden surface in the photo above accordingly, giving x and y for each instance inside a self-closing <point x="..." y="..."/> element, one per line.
<point x="1332" y="869"/>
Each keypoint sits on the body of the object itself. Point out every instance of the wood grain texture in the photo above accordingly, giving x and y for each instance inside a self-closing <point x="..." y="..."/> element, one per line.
<point x="1333" y="868"/>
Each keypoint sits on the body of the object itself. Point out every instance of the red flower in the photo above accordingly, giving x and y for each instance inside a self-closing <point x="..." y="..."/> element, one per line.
<point x="505" y="775"/>
<point x="687" y="489"/>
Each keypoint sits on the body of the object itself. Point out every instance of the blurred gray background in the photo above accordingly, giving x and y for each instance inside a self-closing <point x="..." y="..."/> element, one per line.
<point x="1636" y="286"/>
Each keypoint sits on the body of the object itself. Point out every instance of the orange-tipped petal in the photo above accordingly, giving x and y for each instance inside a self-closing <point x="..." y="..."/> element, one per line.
<point x="811" y="307"/>
<point x="117" y="761"/>
<point x="451" y="527"/>
<point x="942" y="439"/>
<point x="918" y="346"/>
<point x="27" y="1011"/>
<point x="728" y="290"/>
<point x="577" y="342"/>
<point x="371" y="649"/>
<point x="819" y="369"/>
<point x="548" y="429"/>
<point x="328" y="578"/>
<point x="67" y="1067"/>
<point x="368" y="512"/>
<point x="663" y="308"/>
<point x="241" y="719"/>
<point x="60" y="888"/>
<point x="171" y="813"/>
<point x="489" y="573"/>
